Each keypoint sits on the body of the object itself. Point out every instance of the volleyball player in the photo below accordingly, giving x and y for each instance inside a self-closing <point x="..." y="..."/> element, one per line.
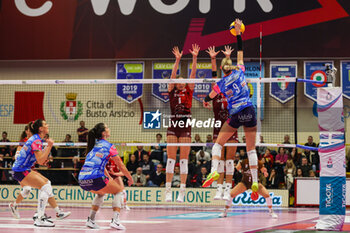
<point x="180" y="96"/>
<point x="27" y="189"/>
<point x="242" y="113"/>
<point x="117" y="175"/>
<point x="221" y="114"/>
<point x="94" y="176"/>
<point x="30" y="153"/>
<point x="246" y="184"/>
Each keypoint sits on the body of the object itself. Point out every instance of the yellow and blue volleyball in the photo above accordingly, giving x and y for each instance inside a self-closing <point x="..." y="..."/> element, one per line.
<point x="233" y="31"/>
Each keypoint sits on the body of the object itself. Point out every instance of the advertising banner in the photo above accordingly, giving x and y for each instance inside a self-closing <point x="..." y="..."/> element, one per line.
<point x="201" y="90"/>
<point x="283" y="92"/>
<point x="345" y="78"/>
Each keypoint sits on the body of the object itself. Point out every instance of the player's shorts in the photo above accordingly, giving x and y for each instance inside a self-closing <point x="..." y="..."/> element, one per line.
<point x="179" y="131"/>
<point x="246" y="117"/>
<point x="216" y="132"/>
<point x="19" y="176"/>
<point x="94" y="184"/>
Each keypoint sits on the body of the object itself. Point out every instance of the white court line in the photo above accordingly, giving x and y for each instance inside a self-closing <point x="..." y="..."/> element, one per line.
<point x="276" y="225"/>
<point x="84" y="220"/>
<point x="31" y="226"/>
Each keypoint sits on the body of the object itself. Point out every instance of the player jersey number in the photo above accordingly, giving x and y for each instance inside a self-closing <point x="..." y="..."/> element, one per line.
<point x="235" y="86"/>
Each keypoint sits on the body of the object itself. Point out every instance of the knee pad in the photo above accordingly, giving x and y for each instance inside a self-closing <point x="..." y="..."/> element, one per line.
<point x="221" y="166"/>
<point x="253" y="158"/>
<point x="230" y="167"/>
<point x="183" y="166"/>
<point x="26" y="191"/>
<point x="98" y="200"/>
<point x="117" y="200"/>
<point x="170" y="164"/>
<point x="46" y="190"/>
<point x="216" y="151"/>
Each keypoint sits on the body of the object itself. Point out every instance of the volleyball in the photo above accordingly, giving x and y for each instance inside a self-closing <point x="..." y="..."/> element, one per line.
<point x="233" y="31"/>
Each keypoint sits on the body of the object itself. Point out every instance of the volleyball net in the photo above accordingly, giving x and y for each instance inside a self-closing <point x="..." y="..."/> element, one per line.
<point x="137" y="109"/>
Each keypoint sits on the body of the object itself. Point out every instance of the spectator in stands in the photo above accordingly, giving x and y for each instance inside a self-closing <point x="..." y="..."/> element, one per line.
<point x="82" y="132"/>
<point x="287" y="141"/>
<point x="176" y="178"/>
<point x="312" y="158"/>
<point x="305" y="167"/>
<point x="310" y="142"/>
<point x="147" y="166"/>
<point x="312" y="173"/>
<point x="197" y="139"/>
<point x="289" y="172"/>
<point x="242" y="153"/>
<point x="139" y="178"/>
<point x="268" y="159"/>
<point x="296" y="157"/>
<point x="68" y="138"/>
<point x="202" y="157"/>
<point x="157" y="152"/>
<point x="261" y="149"/>
<point x="202" y="177"/>
<point x="299" y="172"/>
<point x="139" y="153"/>
<point x="132" y="165"/>
<point x="262" y="178"/>
<point x="273" y="181"/>
<point x="239" y="148"/>
<point x="281" y="157"/>
<point x="5" y="151"/>
<point x="157" y="178"/>
<point x="237" y="175"/>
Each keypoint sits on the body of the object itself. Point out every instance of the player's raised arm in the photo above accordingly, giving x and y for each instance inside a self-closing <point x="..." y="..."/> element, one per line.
<point x="212" y="53"/>
<point x="238" y="24"/>
<point x="194" y="52"/>
<point x="178" y="56"/>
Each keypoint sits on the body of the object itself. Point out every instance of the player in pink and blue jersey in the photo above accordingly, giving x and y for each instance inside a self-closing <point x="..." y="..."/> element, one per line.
<point x="31" y="152"/>
<point x="95" y="178"/>
<point x="242" y="113"/>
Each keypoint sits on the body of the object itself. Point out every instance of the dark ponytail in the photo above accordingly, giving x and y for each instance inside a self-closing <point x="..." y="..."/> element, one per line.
<point x="35" y="125"/>
<point x="95" y="133"/>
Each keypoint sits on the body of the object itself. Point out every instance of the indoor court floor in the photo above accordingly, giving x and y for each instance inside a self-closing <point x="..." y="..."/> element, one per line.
<point x="154" y="219"/>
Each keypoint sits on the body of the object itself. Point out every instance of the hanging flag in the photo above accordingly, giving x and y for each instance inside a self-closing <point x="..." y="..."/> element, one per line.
<point x="283" y="92"/>
<point x="162" y="70"/>
<point x="314" y="70"/>
<point x="345" y="78"/>
<point x="28" y="107"/>
<point x="129" y="92"/>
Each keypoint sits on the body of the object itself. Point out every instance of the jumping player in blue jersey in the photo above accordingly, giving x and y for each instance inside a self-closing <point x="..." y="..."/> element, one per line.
<point x="242" y="113"/>
<point x="30" y="153"/>
<point x="94" y="177"/>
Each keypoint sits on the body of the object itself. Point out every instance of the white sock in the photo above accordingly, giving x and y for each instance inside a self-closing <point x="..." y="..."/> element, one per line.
<point x="57" y="210"/>
<point x="254" y="172"/>
<point x="182" y="186"/>
<point x="228" y="186"/>
<point x="214" y="165"/>
<point x="219" y="187"/>
<point x="168" y="185"/>
<point x="116" y="215"/>
<point x="92" y="215"/>
<point x="269" y="204"/>
<point x="229" y="202"/>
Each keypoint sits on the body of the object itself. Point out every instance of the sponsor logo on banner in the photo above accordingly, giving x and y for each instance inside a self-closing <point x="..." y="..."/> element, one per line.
<point x="6" y="110"/>
<point x="201" y="90"/>
<point x="129" y="92"/>
<point x="332" y="195"/>
<point x="330" y="163"/>
<point x="71" y="109"/>
<point x="152" y="120"/>
<point x="314" y="70"/>
<point x="283" y="92"/>
<point x="162" y="71"/>
<point x="345" y="78"/>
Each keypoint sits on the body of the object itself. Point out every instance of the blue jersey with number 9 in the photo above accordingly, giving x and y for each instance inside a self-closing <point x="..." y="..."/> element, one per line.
<point x="234" y="87"/>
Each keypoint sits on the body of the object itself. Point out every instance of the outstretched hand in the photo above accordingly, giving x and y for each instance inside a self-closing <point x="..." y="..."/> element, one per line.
<point x="238" y="24"/>
<point x="177" y="52"/>
<point x="228" y="51"/>
<point x="206" y="105"/>
<point x="195" y="50"/>
<point x="211" y="51"/>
